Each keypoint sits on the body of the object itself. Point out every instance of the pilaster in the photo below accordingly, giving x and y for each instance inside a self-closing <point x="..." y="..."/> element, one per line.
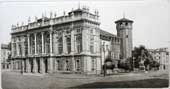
<point x="72" y="41"/>
<point x="35" y="41"/>
<point x="28" y="43"/>
<point x="64" y="42"/>
<point x="42" y="66"/>
<point x="42" y="38"/>
<point x="50" y="65"/>
<point x="51" y="43"/>
<point x="35" y="69"/>
<point x="28" y="67"/>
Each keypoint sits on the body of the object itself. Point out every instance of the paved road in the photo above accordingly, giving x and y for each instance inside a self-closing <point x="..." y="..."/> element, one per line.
<point x="14" y="80"/>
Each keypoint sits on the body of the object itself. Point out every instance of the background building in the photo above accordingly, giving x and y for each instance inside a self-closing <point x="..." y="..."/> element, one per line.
<point x="161" y="55"/>
<point x="73" y="42"/>
<point x="5" y="55"/>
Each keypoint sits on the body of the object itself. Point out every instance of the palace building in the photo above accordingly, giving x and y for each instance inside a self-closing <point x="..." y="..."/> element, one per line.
<point x="73" y="42"/>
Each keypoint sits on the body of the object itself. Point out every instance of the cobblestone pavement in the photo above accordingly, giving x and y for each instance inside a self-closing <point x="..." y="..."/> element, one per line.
<point x="16" y="80"/>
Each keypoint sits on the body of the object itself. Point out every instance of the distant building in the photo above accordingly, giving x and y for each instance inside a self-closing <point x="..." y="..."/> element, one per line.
<point x="5" y="53"/>
<point x="161" y="55"/>
<point x="73" y="42"/>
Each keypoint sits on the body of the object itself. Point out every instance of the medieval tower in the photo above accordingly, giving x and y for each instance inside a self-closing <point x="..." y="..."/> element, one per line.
<point x="124" y="31"/>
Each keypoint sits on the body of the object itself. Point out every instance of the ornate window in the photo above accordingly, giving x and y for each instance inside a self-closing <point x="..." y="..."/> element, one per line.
<point x="92" y="44"/>
<point x="60" y="45"/>
<point x="14" y="49"/>
<point x="47" y="42"/>
<point x="68" y="39"/>
<point x="39" y="43"/>
<point x="20" y="49"/>
<point x="79" y="42"/>
<point x="26" y="46"/>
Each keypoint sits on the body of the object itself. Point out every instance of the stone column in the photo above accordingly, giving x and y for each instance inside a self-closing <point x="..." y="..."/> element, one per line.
<point x="12" y="48"/>
<point x="17" y="65"/>
<point x="35" y="41"/>
<point x="11" y="66"/>
<point x="50" y="66"/>
<point x="73" y="64"/>
<point x="42" y="38"/>
<point x="23" y="66"/>
<point x="42" y="66"/>
<point x="28" y="43"/>
<point x="35" y="69"/>
<point x="51" y="43"/>
<point x="28" y="67"/>
<point x="55" y="65"/>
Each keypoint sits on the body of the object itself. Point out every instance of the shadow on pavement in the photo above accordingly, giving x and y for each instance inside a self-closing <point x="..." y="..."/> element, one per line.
<point x="146" y="83"/>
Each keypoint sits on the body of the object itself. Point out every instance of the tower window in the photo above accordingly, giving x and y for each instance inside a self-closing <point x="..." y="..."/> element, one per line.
<point x="126" y="36"/>
<point x="126" y="24"/>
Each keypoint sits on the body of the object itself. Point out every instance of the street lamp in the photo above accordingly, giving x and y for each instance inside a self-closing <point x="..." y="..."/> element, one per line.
<point x="133" y="59"/>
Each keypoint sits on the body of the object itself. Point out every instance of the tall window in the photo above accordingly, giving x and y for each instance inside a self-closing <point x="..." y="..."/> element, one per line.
<point x="47" y="42"/>
<point x="67" y="66"/>
<point x="60" y="45"/>
<point x="92" y="44"/>
<point x="20" y="49"/>
<point x="39" y="43"/>
<point x="68" y="44"/>
<point x="79" y="43"/>
<point x="15" y="52"/>
<point x="93" y="64"/>
<point x="26" y="46"/>
<point x="77" y="65"/>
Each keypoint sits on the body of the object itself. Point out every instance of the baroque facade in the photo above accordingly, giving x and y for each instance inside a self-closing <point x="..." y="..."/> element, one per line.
<point x="72" y="43"/>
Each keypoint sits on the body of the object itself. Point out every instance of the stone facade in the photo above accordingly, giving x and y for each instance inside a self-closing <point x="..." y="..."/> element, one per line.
<point x="69" y="43"/>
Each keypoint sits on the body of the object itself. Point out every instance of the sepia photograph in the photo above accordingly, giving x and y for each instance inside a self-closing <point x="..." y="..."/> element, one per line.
<point x="74" y="44"/>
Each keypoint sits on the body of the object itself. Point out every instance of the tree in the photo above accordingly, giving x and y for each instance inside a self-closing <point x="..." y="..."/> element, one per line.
<point x="125" y="64"/>
<point x="141" y="54"/>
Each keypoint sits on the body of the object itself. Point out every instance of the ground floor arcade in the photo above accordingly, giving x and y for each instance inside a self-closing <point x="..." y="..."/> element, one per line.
<point x="80" y="64"/>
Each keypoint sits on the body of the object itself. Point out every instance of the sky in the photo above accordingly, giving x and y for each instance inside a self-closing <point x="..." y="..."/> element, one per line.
<point x="151" y="26"/>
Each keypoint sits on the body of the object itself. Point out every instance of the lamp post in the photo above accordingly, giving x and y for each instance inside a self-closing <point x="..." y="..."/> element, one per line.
<point x="133" y="59"/>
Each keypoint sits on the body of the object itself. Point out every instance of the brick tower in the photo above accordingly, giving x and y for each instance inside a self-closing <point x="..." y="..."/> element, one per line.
<point x="124" y="30"/>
